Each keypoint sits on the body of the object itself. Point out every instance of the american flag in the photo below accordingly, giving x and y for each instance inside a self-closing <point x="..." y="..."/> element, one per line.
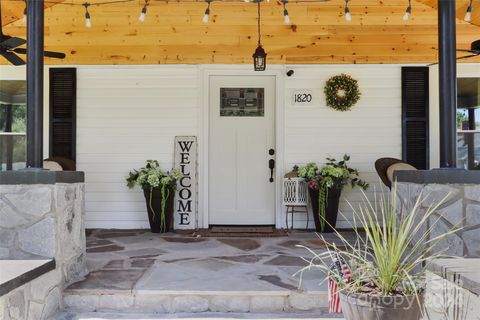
<point x="341" y="269"/>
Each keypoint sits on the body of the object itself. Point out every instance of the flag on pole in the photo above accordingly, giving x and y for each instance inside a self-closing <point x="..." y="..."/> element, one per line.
<point x="342" y="271"/>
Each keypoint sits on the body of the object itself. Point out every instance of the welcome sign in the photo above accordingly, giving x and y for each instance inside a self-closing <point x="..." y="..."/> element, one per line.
<point x="186" y="195"/>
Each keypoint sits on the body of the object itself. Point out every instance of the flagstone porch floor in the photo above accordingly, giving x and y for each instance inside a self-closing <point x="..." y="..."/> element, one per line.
<point x="138" y="270"/>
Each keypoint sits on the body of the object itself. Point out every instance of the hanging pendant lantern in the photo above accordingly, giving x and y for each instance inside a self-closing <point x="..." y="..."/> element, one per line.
<point x="260" y="59"/>
<point x="259" y="56"/>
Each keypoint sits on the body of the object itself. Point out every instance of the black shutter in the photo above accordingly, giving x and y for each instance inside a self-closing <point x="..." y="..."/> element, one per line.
<point x="63" y="105"/>
<point x="415" y="89"/>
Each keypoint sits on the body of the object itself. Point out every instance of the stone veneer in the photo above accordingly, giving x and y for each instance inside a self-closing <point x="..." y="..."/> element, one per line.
<point x="42" y="218"/>
<point x="36" y="300"/>
<point x="460" y="208"/>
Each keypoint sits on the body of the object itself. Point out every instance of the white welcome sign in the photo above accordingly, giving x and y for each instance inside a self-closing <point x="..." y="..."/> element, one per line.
<point x="185" y="211"/>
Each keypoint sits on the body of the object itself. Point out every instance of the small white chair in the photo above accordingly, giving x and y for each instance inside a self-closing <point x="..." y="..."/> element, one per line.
<point x="295" y="196"/>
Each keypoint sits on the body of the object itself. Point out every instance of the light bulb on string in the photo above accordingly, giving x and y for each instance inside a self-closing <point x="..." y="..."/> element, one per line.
<point x="207" y="12"/>
<point x="468" y="14"/>
<point x="24" y="18"/>
<point x="143" y="13"/>
<point x="348" y="16"/>
<point x="286" y="17"/>
<point x="88" y="21"/>
<point x="408" y="11"/>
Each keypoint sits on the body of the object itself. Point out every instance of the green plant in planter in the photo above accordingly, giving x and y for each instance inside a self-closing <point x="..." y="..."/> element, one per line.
<point x="390" y="257"/>
<point x="153" y="177"/>
<point x="333" y="175"/>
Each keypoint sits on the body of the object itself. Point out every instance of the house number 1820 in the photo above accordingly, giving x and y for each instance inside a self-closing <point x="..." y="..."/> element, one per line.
<point x="302" y="98"/>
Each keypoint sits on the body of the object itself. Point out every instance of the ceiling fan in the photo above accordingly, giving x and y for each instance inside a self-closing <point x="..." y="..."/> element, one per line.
<point x="474" y="51"/>
<point x="9" y="48"/>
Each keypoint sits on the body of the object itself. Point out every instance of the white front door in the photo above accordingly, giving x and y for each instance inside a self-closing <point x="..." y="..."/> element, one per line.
<point x="241" y="134"/>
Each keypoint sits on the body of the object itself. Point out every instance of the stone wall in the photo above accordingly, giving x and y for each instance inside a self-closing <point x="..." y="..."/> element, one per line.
<point x="460" y="209"/>
<point x="37" y="300"/>
<point x="42" y="218"/>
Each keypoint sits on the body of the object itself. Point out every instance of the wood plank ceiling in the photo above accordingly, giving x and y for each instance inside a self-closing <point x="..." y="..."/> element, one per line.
<point x="173" y="32"/>
<point x="13" y="10"/>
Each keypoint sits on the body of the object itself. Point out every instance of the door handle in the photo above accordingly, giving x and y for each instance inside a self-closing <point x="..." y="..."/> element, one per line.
<point x="271" y="165"/>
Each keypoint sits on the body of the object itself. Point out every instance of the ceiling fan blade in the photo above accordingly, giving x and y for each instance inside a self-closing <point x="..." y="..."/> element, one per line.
<point x="469" y="51"/>
<point x="50" y="54"/>
<point x="13" y="42"/>
<point x="466" y="57"/>
<point x="13" y="58"/>
<point x="459" y="58"/>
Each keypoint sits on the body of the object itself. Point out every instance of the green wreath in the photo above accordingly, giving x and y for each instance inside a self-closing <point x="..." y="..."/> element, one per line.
<point x="342" y="92"/>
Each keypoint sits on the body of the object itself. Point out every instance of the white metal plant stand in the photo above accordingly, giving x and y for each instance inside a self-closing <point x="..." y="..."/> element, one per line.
<point x="295" y="196"/>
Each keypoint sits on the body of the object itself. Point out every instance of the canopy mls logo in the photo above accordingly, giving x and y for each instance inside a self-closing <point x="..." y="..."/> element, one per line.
<point x="186" y="194"/>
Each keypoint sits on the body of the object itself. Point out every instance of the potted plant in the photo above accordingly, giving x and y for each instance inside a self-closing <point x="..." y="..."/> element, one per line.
<point x="383" y="274"/>
<point x="325" y="186"/>
<point x="159" y="190"/>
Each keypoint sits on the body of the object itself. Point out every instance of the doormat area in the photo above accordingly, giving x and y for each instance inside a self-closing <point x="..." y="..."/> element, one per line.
<point x="241" y="232"/>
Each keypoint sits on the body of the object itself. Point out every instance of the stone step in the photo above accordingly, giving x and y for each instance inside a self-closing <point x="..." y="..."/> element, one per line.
<point x="168" y="302"/>
<point x="196" y="316"/>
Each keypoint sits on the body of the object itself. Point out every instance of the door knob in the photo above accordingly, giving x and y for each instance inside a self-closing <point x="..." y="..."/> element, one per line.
<point x="271" y="165"/>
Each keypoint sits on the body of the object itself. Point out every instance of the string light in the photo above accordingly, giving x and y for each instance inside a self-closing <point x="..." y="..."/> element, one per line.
<point x="468" y="14"/>
<point x="207" y="12"/>
<point x="24" y="19"/>
<point x="143" y="14"/>
<point x="286" y="17"/>
<point x="348" y="16"/>
<point x="88" y="22"/>
<point x="408" y="11"/>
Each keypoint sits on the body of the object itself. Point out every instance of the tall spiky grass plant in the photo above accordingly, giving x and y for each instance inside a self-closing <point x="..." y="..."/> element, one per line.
<point x="392" y="250"/>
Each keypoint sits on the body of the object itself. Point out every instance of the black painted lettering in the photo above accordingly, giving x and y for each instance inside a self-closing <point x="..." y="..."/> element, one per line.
<point x="184" y="196"/>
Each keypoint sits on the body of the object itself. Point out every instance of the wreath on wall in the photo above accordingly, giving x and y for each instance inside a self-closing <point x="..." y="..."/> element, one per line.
<point x="342" y="92"/>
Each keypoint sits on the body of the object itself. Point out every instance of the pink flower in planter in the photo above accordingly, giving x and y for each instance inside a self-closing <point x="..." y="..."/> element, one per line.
<point x="313" y="185"/>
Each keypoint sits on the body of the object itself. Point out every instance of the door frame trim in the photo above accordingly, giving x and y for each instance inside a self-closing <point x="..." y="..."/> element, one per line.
<point x="277" y="71"/>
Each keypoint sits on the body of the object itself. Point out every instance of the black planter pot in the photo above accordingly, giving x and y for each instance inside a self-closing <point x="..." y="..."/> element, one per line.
<point x="331" y="211"/>
<point x="155" y="218"/>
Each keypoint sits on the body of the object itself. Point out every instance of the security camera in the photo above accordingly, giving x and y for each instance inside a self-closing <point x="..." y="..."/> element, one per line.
<point x="290" y="73"/>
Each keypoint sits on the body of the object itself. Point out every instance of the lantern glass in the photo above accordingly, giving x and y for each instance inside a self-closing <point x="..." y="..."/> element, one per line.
<point x="259" y="59"/>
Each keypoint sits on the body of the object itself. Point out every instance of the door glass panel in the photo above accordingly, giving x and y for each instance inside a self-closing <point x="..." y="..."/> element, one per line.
<point x="13" y="122"/>
<point x="242" y="102"/>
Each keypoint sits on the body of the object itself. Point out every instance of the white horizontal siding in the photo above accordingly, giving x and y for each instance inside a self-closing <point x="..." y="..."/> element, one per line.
<point x="372" y="129"/>
<point x="129" y="114"/>
<point x="125" y="116"/>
